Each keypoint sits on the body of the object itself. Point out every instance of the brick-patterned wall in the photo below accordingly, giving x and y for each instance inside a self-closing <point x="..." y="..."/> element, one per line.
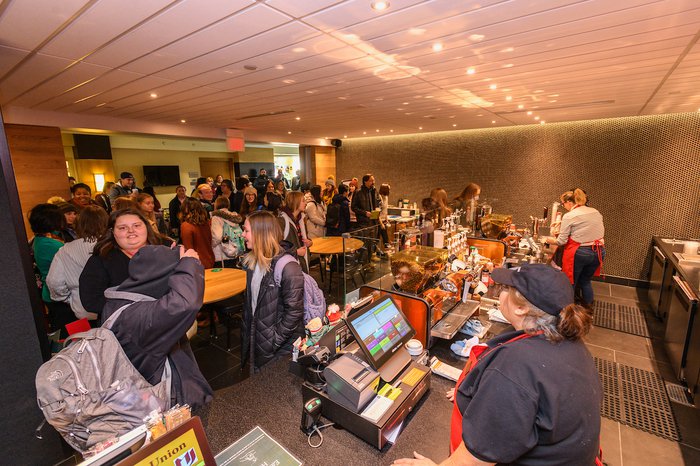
<point x="642" y="173"/>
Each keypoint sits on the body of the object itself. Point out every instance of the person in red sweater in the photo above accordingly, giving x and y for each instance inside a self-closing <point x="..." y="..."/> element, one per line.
<point x="195" y="231"/>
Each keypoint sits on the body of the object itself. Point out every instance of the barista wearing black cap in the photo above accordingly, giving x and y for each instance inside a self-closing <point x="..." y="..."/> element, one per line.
<point x="165" y="289"/>
<point x="531" y="396"/>
<point x="123" y="187"/>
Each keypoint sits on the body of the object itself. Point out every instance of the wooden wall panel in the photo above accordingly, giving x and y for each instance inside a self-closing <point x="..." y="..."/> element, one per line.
<point x="39" y="165"/>
<point x="325" y="164"/>
<point x="86" y="168"/>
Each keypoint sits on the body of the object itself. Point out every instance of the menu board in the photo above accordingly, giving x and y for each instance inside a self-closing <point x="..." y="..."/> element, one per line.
<point x="256" y="448"/>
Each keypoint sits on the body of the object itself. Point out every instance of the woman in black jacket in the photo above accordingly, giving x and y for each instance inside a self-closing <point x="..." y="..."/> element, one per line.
<point x="273" y="313"/>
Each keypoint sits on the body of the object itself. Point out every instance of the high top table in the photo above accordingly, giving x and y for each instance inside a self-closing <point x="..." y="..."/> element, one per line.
<point x="333" y="246"/>
<point x="219" y="284"/>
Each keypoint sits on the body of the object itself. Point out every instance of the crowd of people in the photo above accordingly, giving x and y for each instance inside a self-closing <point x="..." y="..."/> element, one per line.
<point x="116" y="251"/>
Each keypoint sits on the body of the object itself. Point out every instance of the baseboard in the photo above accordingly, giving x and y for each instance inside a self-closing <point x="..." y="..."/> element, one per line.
<point x="622" y="281"/>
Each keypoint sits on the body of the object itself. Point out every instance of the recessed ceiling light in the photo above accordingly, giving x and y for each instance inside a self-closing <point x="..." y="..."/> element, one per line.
<point x="380" y="5"/>
<point x="507" y="49"/>
<point x="509" y="98"/>
<point x="298" y="118"/>
<point x="391" y="130"/>
<point x="250" y="67"/>
<point x="538" y="91"/>
<point x="471" y="71"/>
<point x="183" y="121"/>
<point x="400" y="109"/>
<point x="404" y="103"/>
<point x="542" y="122"/>
<point x="289" y="132"/>
<point x="311" y="91"/>
<point x="279" y="67"/>
<point x="529" y="113"/>
<point x="521" y="106"/>
<point x="454" y="125"/>
<point x="537" y="118"/>
<point x="552" y="101"/>
<point x="508" y="65"/>
<point x="345" y="136"/>
<point x="493" y="86"/>
<point x="437" y="46"/>
<point x="376" y="130"/>
<point x="342" y="98"/>
<point x="153" y="95"/>
<point x="476" y="37"/>
<point x="298" y="49"/>
<point x="420" y="127"/>
<point x="288" y="81"/>
<point x="379" y="99"/>
<point x="493" y="121"/>
<point x="364" y="132"/>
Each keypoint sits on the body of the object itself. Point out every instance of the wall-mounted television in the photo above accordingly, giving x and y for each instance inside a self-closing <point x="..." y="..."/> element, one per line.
<point x="161" y="175"/>
<point x="91" y="146"/>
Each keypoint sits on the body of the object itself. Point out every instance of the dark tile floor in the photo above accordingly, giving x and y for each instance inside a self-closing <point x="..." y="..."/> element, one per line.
<point x="624" y="445"/>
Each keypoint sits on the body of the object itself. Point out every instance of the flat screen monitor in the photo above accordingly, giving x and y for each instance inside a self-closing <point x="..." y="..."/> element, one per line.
<point x="161" y="175"/>
<point x="381" y="331"/>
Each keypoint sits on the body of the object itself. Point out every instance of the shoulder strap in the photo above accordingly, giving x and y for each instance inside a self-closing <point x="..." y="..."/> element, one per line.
<point x="287" y="225"/>
<point x="279" y="267"/>
<point x="113" y="318"/>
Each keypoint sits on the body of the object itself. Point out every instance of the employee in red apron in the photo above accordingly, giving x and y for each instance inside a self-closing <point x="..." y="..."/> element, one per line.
<point x="531" y="396"/>
<point x="581" y="234"/>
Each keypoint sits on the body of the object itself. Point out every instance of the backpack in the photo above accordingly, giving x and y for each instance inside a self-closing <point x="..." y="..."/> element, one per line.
<point x="333" y="216"/>
<point x="314" y="301"/>
<point x="90" y="391"/>
<point x="235" y="245"/>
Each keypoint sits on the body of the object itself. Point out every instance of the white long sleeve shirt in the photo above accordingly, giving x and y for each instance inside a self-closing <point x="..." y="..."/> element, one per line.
<point x="64" y="275"/>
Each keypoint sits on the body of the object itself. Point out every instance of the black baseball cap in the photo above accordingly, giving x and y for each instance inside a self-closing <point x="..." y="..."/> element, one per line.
<point x="541" y="284"/>
<point x="125" y="175"/>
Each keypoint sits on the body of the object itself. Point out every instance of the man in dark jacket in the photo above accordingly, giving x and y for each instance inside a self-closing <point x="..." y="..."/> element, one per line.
<point x="342" y="204"/>
<point x="366" y="203"/>
<point x="260" y="184"/>
<point x="278" y="318"/>
<point x="166" y="287"/>
<point x="174" y="209"/>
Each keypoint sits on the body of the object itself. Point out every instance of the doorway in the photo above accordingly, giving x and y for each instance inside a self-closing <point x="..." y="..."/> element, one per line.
<point x="214" y="167"/>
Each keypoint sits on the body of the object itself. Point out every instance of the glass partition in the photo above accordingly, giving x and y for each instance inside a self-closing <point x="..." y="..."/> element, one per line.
<point x="364" y="261"/>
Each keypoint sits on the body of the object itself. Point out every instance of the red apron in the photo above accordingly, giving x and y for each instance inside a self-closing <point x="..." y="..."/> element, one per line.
<point x="456" y="421"/>
<point x="476" y="352"/>
<point x="567" y="261"/>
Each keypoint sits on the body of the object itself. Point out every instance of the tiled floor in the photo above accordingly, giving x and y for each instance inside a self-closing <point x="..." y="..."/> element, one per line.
<point x="624" y="445"/>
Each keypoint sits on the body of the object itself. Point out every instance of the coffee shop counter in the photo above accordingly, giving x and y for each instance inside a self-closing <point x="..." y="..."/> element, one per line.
<point x="272" y="399"/>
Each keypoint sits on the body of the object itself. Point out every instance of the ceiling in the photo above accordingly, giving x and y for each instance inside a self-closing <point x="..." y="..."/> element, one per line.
<point x="296" y="69"/>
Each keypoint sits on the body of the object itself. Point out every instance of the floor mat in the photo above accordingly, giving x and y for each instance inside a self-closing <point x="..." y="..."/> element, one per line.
<point x="636" y="398"/>
<point x="621" y="317"/>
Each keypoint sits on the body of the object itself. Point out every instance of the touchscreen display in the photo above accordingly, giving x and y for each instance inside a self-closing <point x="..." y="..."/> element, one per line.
<point x="382" y="327"/>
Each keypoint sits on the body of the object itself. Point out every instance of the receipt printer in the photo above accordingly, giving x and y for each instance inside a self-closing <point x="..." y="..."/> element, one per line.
<point x="351" y="382"/>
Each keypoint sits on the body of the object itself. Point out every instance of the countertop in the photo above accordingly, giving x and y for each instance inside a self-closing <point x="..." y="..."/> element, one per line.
<point x="690" y="274"/>
<point x="272" y="399"/>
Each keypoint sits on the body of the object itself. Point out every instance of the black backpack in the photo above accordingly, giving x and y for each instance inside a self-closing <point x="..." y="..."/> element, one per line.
<point x="333" y="215"/>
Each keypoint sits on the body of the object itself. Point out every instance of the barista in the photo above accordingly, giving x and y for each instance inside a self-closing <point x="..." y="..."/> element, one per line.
<point x="532" y="396"/>
<point x="463" y="202"/>
<point x="581" y="234"/>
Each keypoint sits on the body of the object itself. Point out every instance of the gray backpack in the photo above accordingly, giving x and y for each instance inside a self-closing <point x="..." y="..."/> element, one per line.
<point x="314" y="301"/>
<point x="90" y="391"/>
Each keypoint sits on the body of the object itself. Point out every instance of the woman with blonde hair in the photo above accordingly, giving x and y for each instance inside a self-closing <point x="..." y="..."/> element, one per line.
<point x="439" y="195"/>
<point x="581" y="234"/>
<point x="273" y="311"/>
<point x="291" y="218"/>
<point x="205" y="195"/>
<point x="195" y="231"/>
<point x="147" y="206"/>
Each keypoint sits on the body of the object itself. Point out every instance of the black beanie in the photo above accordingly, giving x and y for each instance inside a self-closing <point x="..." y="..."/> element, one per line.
<point x="150" y="269"/>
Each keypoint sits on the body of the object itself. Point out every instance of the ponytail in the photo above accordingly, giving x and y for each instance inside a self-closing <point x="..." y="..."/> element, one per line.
<point x="574" y="322"/>
<point x="577" y="196"/>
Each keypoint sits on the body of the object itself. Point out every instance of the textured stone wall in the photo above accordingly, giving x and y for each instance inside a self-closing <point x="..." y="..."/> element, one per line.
<point x="642" y="173"/>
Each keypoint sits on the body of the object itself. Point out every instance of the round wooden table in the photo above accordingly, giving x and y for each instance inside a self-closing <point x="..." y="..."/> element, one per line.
<point x="328" y="245"/>
<point x="219" y="284"/>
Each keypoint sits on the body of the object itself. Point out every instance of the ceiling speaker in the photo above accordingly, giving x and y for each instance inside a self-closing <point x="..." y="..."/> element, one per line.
<point x="336" y="142"/>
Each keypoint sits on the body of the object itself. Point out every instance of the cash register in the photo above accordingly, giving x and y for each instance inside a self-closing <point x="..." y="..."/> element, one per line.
<point x="373" y="383"/>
